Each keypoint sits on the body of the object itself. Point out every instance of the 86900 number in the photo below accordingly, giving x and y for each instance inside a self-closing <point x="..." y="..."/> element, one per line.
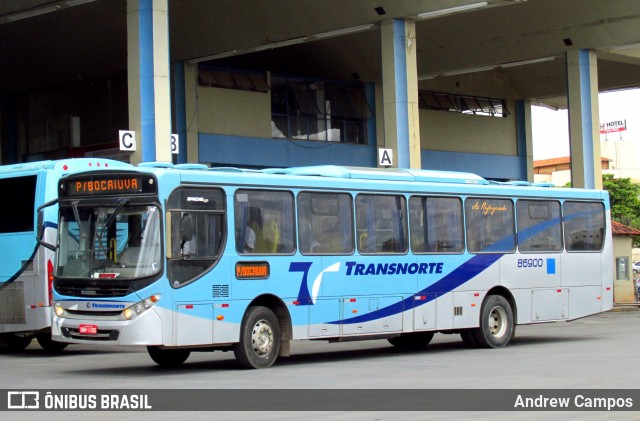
<point x="530" y="263"/>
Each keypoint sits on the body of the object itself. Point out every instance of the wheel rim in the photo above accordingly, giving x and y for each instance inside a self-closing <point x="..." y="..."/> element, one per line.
<point x="262" y="338"/>
<point x="498" y="321"/>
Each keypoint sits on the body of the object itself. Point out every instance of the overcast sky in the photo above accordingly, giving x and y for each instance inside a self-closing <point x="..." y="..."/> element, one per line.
<point x="551" y="132"/>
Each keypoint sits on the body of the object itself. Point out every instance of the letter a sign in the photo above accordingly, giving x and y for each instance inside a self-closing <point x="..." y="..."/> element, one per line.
<point x="385" y="157"/>
<point x="127" y="140"/>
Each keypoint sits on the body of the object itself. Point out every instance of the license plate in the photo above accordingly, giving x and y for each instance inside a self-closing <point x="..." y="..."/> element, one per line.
<point x="88" y="329"/>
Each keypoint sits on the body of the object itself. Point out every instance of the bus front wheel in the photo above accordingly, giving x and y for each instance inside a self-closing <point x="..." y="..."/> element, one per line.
<point x="259" y="338"/>
<point x="496" y="323"/>
<point x="168" y="357"/>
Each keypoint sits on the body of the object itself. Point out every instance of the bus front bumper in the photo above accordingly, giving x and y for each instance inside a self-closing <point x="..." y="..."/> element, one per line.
<point x="96" y="328"/>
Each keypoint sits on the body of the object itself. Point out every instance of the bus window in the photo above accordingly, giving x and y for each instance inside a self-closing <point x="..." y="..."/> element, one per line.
<point x="436" y="225"/>
<point x="490" y="227"/>
<point x="264" y="222"/>
<point x="195" y="223"/>
<point x="381" y="224"/>
<point x="539" y="226"/>
<point x="583" y="226"/>
<point x="20" y="192"/>
<point x="325" y="223"/>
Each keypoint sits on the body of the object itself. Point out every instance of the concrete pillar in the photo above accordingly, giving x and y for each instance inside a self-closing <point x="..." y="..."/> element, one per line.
<point x="524" y="133"/>
<point x="400" y="92"/>
<point x="584" y="121"/>
<point x="148" y="78"/>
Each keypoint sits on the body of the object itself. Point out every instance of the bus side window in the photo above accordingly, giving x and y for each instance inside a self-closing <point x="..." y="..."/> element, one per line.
<point x="436" y="224"/>
<point x="264" y="222"/>
<point x="325" y="223"/>
<point x="381" y="224"/>
<point x="539" y="226"/>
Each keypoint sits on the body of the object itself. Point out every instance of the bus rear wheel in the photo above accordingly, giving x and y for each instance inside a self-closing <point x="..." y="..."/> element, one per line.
<point x="412" y="340"/>
<point x="496" y="323"/>
<point x="10" y="342"/>
<point x="259" y="338"/>
<point x="168" y="357"/>
<point x="48" y="344"/>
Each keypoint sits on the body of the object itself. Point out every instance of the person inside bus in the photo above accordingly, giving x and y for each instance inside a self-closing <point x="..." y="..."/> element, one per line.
<point x="250" y="234"/>
<point x="188" y="243"/>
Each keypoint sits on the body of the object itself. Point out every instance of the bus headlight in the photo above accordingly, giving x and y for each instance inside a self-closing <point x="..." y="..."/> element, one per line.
<point x="140" y="307"/>
<point x="58" y="310"/>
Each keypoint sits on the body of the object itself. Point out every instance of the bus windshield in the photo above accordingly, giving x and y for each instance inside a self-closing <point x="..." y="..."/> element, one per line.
<point x="116" y="241"/>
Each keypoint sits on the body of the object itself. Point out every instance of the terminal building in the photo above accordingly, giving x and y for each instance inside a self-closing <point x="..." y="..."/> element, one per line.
<point x="445" y="85"/>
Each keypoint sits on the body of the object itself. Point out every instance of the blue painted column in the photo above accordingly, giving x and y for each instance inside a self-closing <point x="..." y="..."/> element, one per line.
<point x="400" y="92"/>
<point x="148" y="79"/>
<point x="584" y="121"/>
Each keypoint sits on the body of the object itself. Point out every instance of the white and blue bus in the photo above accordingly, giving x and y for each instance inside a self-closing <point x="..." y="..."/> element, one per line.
<point x="184" y="258"/>
<point x="26" y="266"/>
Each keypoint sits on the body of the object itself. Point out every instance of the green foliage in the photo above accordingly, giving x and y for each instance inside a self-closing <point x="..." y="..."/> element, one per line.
<point x="625" y="204"/>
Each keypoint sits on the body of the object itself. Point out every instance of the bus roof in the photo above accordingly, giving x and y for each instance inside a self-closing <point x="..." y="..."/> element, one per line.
<point x="62" y="165"/>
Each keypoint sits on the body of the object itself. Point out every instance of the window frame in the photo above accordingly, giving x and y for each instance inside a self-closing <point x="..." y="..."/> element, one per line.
<point x="403" y="220"/>
<point x="565" y="222"/>
<point x="468" y="226"/>
<point x="559" y="224"/>
<point x="241" y="231"/>
<point x="424" y="199"/>
<point x="351" y="225"/>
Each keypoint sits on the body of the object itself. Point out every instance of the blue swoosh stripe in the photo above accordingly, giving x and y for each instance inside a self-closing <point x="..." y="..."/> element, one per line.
<point x="457" y="277"/>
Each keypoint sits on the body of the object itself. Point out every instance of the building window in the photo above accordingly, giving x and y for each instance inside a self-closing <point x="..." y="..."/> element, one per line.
<point x="243" y="80"/>
<point x="319" y="110"/>
<point x="463" y="104"/>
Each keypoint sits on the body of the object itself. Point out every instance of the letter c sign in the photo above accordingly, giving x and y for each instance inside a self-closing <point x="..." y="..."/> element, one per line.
<point x="127" y="140"/>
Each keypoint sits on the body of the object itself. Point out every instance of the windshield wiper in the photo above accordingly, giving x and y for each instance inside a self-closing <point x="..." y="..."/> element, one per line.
<point x="76" y="214"/>
<point x="110" y="220"/>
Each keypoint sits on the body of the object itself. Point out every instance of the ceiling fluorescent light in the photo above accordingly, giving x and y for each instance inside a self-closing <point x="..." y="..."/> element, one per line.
<point x="465" y="71"/>
<point x="342" y="31"/>
<point x="526" y="62"/>
<point x="625" y="47"/>
<point x="280" y="44"/>
<point x="451" y="10"/>
<point x="71" y="3"/>
<point x="32" y="13"/>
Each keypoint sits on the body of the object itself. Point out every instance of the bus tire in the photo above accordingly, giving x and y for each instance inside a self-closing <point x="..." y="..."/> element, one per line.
<point x="14" y="343"/>
<point x="168" y="357"/>
<point x="468" y="338"/>
<point x="496" y="323"/>
<point x="259" y="338"/>
<point x="48" y="344"/>
<point x="412" y="340"/>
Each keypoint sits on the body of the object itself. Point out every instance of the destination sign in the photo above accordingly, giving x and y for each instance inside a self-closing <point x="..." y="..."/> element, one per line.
<point x="106" y="184"/>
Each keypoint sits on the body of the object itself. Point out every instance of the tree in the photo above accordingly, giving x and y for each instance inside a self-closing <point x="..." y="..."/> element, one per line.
<point x="625" y="204"/>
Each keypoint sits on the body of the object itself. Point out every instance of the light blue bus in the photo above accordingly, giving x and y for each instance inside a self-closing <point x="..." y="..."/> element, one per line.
<point x="185" y="258"/>
<point x="26" y="267"/>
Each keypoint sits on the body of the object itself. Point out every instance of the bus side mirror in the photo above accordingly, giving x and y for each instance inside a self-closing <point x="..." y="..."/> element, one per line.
<point x="40" y="226"/>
